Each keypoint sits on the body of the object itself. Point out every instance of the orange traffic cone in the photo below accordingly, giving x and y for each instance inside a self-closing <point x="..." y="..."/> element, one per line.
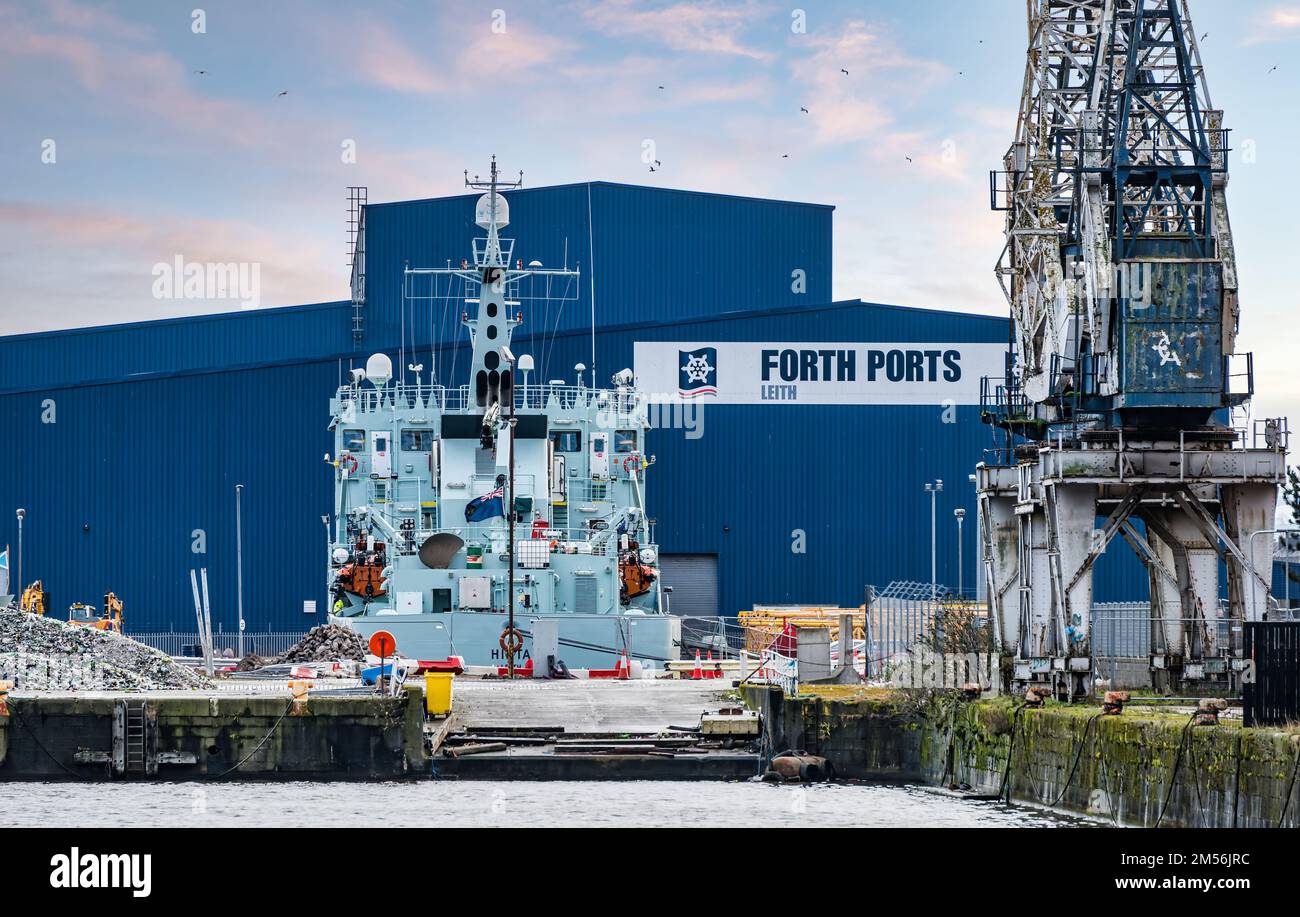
<point x="698" y="673"/>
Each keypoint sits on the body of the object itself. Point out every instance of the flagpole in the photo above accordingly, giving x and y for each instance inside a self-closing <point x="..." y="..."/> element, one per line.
<point x="510" y="597"/>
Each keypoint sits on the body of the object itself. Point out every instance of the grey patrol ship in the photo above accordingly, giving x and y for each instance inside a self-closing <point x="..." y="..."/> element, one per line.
<point x="427" y="477"/>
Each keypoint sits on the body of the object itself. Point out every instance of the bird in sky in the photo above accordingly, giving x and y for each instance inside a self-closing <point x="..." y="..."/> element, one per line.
<point x="785" y="155"/>
<point x="661" y="87"/>
<point x="908" y="158"/>
<point x="282" y="93"/>
<point x="658" y="163"/>
<point x="843" y="71"/>
<point x="1271" y="69"/>
<point x="1205" y="36"/>
<point x="804" y="110"/>
<point x="653" y="169"/>
<point x="200" y="72"/>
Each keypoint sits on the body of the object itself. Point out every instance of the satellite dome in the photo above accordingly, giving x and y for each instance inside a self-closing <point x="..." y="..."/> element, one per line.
<point x="379" y="369"/>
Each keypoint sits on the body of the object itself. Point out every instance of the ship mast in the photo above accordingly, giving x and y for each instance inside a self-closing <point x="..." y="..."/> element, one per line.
<point x="493" y="286"/>
<point x="492" y="327"/>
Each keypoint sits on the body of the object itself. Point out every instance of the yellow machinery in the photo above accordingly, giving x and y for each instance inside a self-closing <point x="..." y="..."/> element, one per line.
<point x="34" y="599"/>
<point x="109" y="619"/>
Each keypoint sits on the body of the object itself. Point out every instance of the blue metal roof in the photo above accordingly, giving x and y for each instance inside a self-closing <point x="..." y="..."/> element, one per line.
<point x="110" y="353"/>
<point x="659" y="254"/>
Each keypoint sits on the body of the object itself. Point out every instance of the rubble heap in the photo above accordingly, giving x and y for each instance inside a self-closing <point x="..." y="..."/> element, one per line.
<point x="326" y="641"/>
<point x="46" y="654"/>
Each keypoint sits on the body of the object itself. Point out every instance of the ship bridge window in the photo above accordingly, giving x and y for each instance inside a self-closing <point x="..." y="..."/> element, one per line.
<point x="625" y="440"/>
<point x="417" y="440"/>
<point x="354" y="440"/>
<point x="567" y="440"/>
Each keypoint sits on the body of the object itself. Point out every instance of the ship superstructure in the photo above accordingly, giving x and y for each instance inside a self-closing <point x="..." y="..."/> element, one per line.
<point x="504" y="517"/>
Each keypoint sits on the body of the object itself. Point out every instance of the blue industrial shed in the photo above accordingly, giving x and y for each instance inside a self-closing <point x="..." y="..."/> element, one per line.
<point x="131" y="438"/>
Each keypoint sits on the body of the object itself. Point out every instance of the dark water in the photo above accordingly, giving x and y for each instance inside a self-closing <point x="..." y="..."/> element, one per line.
<point x="492" y="804"/>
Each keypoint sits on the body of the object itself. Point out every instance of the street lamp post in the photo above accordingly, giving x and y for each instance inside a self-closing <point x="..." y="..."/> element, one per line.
<point x="239" y="563"/>
<point x="960" y="514"/>
<point x="329" y="565"/>
<point x="933" y="489"/>
<point x="22" y="513"/>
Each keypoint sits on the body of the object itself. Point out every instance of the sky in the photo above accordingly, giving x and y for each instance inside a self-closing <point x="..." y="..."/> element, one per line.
<point x="229" y="132"/>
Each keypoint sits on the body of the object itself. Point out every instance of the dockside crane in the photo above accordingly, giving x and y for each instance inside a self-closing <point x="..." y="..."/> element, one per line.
<point x="1119" y="411"/>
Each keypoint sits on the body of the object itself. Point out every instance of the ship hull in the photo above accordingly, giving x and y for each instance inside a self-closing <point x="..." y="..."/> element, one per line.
<point x="586" y="641"/>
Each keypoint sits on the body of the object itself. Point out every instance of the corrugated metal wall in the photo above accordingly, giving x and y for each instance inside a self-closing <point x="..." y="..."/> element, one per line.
<point x="659" y="254"/>
<point x="118" y="485"/>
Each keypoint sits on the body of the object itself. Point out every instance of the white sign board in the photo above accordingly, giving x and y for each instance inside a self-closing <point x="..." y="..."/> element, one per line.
<point x="746" y="372"/>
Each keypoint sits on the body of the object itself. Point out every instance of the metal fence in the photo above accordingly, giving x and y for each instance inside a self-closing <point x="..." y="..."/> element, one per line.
<point x="1272" y="697"/>
<point x="721" y="636"/>
<point x="260" y="644"/>
<point x="895" y="626"/>
<point x="1122" y="640"/>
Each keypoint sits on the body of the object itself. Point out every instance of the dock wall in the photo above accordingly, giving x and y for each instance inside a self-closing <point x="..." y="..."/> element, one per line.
<point x="1138" y="768"/>
<point x="214" y="736"/>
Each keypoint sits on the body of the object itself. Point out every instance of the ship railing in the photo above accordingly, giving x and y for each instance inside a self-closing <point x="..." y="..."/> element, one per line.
<point x="482" y="484"/>
<point x="577" y="492"/>
<point x="532" y="396"/>
<point x="577" y="540"/>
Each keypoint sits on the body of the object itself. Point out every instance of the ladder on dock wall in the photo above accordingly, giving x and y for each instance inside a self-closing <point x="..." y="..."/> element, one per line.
<point x="135" y="740"/>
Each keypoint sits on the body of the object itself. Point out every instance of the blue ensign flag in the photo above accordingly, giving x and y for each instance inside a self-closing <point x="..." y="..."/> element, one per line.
<point x="486" y="506"/>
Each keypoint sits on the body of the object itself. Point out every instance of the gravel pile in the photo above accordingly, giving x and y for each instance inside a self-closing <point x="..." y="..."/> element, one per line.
<point x="46" y="654"/>
<point x="251" y="663"/>
<point x="326" y="642"/>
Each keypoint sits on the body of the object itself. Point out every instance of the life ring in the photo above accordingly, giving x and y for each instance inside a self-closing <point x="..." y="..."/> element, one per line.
<point x="511" y="642"/>
<point x="627" y="463"/>
<point x="349" y="463"/>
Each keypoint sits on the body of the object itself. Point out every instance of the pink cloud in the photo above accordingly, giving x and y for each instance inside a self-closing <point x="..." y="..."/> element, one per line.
<point x="117" y="252"/>
<point x="93" y="19"/>
<point x="856" y="106"/>
<point x="437" y="61"/>
<point x="702" y="26"/>
<point x="382" y="58"/>
<point x="1279" y="24"/>
<point x="157" y="85"/>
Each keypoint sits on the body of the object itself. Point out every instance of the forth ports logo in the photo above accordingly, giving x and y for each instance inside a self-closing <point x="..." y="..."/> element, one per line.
<point x="697" y="372"/>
